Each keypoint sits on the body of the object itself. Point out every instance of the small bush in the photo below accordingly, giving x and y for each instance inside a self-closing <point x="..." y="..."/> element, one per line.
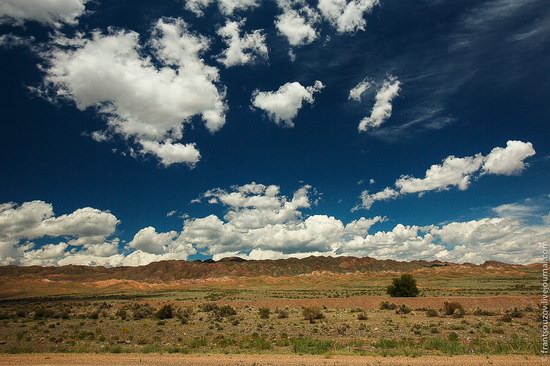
<point x="516" y="313"/>
<point x="122" y="314"/>
<point x="362" y="316"/>
<point x="165" y="312"/>
<point x="227" y="310"/>
<point x="506" y="318"/>
<point x="453" y="308"/>
<point x="282" y="314"/>
<point x="22" y="313"/>
<point x="43" y="313"/>
<point x="264" y="313"/>
<point x="431" y="313"/>
<point x="453" y="336"/>
<point x="208" y="307"/>
<point x="184" y="314"/>
<point x="142" y="311"/>
<point x="386" y="305"/>
<point x="404" y="286"/>
<point x="403" y="309"/>
<point x="313" y="314"/>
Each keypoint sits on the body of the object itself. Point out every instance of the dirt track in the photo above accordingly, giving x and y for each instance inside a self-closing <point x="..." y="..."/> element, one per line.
<point x="259" y="360"/>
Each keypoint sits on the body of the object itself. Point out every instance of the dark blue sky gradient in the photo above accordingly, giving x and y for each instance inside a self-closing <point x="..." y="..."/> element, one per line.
<point x="469" y="84"/>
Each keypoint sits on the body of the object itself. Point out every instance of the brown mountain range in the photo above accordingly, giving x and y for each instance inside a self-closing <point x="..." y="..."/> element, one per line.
<point x="168" y="271"/>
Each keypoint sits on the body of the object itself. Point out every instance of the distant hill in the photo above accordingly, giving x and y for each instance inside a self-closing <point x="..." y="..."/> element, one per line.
<point x="167" y="271"/>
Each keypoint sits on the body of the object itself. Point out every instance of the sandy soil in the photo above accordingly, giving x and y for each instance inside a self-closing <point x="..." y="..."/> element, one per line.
<point x="260" y="360"/>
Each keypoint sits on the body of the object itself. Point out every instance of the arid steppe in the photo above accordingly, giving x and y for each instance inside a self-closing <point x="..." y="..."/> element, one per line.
<point x="329" y="314"/>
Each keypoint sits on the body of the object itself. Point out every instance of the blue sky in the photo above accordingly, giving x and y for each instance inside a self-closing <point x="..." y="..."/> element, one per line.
<point x="118" y="113"/>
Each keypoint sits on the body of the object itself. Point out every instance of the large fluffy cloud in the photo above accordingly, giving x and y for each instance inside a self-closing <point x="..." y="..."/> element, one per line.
<point x="49" y="12"/>
<point x="142" y="102"/>
<point x="241" y="49"/>
<point x="457" y="172"/>
<point x="346" y="15"/>
<point x="383" y="107"/>
<point x="508" y="160"/>
<point x="283" y="105"/>
<point x="297" y="22"/>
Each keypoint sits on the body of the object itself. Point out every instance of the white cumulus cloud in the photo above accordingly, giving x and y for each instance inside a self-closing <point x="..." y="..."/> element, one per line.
<point x="283" y="105"/>
<point x="508" y="160"/>
<point x="144" y="103"/>
<point x="259" y="223"/>
<point x="297" y="22"/>
<point x="347" y="15"/>
<point x="243" y="49"/>
<point x="456" y="172"/>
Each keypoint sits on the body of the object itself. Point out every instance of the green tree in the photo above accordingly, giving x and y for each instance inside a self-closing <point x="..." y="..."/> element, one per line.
<point x="404" y="286"/>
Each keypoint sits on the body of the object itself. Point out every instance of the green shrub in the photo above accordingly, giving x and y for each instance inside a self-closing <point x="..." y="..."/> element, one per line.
<point x="386" y="305"/>
<point x="431" y="313"/>
<point x="313" y="314"/>
<point x="282" y="314"/>
<point x="227" y="310"/>
<point x="264" y="313"/>
<point x="403" y="309"/>
<point x="404" y="286"/>
<point x="122" y="314"/>
<point x="208" y="307"/>
<point x="142" y="311"/>
<point x="165" y="312"/>
<point x="516" y="313"/>
<point x="506" y="318"/>
<point x="43" y="313"/>
<point x="453" y="336"/>
<point x="453" y="308"/>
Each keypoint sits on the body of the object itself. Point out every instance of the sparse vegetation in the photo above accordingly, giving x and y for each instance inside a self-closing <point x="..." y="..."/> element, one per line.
<point x="342" y="320"/>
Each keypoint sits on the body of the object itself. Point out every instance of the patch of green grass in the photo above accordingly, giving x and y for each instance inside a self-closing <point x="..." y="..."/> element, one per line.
<point x="446" y="346"/>
<point x="311" y="346"/>
<point x="256" y="342"/>
<point x="386" y="343"/>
